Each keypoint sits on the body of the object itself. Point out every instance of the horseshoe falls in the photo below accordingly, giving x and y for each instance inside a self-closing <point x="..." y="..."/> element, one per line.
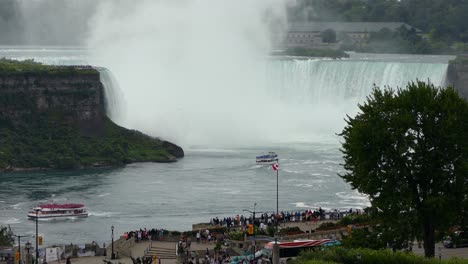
<point x="290" y="100"/>
<point x="304" y="100"/>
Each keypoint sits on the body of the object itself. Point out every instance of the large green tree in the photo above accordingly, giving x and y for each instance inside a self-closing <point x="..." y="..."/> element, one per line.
<point x="407" y="149"/>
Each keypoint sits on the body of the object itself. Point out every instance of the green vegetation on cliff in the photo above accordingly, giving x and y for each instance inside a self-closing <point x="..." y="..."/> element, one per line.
<point x="53" y="117"/>
<point x="330" y="53"/>
<point x="12" y="67"/>
<point x="49" y="142"/>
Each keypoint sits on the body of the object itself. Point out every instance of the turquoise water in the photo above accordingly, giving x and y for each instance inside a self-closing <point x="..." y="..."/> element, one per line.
<point x="204" y="184"/>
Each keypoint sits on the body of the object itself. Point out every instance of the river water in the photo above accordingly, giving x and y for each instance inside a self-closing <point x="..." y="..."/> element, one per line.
<point x="219" y="180"/>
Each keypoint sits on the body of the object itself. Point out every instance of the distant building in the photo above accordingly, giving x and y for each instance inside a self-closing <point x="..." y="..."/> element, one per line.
<point x="309" y="34"/>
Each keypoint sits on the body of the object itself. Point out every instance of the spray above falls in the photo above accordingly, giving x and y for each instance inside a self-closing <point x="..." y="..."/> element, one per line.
<point x="198" y="73"/>
<point x="190" y="71"/>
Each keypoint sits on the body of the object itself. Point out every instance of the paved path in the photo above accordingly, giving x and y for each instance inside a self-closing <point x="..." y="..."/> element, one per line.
<point x="138" y="251"/>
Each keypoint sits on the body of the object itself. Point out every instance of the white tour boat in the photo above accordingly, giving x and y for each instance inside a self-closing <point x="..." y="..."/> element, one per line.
<point x="269" y="158"/>
<point x="57" y="211"/>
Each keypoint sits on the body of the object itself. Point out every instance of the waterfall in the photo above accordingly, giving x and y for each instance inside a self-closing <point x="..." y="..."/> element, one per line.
<point x="293" y="100"/>
<point x="318" y="81"/>
<point x="113" y="97"/>
<point x="310" y="98"/>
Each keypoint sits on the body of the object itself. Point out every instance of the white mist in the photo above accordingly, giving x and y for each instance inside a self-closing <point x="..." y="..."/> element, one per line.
<point x="193" y="72"/>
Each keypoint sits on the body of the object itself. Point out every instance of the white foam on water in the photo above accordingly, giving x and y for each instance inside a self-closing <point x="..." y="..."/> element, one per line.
<point x="302" y="205"/>
<point x="9" y="220"/>
<point x="103" y="214"/>
<point x="17" y="206"/>
<point x="293" y="171"/>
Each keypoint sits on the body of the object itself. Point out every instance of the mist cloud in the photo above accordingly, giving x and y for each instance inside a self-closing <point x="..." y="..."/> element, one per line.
<point x="191" y="71"/>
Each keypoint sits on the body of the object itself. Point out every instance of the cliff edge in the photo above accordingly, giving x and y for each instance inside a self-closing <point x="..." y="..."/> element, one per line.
<point x="53" y="117"/>
<point x="457" y="75"/>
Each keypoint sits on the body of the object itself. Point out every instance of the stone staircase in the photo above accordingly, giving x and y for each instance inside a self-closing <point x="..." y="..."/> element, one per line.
<point x="161" y="252"/>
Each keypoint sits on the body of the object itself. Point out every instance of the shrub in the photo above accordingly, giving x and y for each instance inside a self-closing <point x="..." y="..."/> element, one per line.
<point x="327" y="226"/>
<point x="236" y="236"/>
<point x="293" y="230"/>
<point x="368" y="256"/>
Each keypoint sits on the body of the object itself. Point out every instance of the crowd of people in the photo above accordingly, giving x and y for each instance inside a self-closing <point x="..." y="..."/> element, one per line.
<point x="214" y="256"/>
<point x="145" y="234"/>
<point x="269" y="219"/>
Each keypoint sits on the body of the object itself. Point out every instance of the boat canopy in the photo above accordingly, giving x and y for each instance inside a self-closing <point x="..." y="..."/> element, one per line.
<point x="299" y="243"/>
<point x="60" y="206"/>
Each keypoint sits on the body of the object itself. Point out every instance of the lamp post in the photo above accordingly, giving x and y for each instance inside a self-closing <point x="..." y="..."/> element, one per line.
<point x="275" y="255"/>
<point x="276" y="168"/>
<point x="253" y="220"/>
<point x="28" y="257"/>
<point x="19" y="246"/>
<point x="19" y="249"/>
<point x="37" y="236"/>
<point x="28" y="246"/>
<point x="112" y="253"/>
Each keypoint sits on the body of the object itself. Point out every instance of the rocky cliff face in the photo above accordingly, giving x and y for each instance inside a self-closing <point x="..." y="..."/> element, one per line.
<point x="77" y="94"/>
<point x="457" y="75"/>
<point x="54" y="117"/>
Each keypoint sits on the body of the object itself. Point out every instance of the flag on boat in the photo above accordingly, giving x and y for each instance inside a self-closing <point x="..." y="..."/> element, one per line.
<point x="275" y="166"/>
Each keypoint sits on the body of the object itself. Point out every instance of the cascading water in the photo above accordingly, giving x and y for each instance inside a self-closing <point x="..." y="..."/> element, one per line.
<point x="317" y="81"/>
<point x="114" y="100"/>
<point x="298" y="100"/>
<point x="312" y="97"/>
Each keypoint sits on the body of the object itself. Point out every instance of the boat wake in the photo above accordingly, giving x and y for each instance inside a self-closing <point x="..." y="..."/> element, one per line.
<point x="9" y="221"/>
<point x="103" y="214"/>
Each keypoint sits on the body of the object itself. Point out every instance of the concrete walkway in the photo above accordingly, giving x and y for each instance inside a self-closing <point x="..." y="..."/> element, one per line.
<point x="138" y="250"/>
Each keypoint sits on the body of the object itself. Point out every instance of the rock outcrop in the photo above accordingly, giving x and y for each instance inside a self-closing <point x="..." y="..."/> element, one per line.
<point x="54" y="117"/>
<point x="75" y="92"/>
<point x="457" y="75"/>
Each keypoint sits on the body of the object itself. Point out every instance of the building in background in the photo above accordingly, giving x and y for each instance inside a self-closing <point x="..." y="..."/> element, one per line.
<point x="333" y="35"/>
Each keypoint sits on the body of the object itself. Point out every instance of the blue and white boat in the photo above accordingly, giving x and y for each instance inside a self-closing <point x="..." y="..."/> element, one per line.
<point x="269" y="158"/>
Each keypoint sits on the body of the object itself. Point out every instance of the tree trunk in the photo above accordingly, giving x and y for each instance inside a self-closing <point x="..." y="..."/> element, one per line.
<point x="429" y="238"/>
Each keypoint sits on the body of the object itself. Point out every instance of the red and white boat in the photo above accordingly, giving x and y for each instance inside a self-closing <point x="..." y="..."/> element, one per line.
<point x="57" y="211"/>
<point x="292" y="249"/>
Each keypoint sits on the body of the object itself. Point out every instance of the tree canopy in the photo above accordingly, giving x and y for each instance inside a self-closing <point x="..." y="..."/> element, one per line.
<point x="442" y="21"/>
<point x="407" y="150"/>
<point x="5" y="237"/>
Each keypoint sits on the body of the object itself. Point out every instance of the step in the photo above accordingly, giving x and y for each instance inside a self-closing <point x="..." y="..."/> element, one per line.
<point x="162" y="256"/>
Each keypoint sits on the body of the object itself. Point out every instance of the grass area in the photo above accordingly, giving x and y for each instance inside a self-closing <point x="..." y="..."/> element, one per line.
<point x="366" y="256"/>
<point x="13" y="67"/>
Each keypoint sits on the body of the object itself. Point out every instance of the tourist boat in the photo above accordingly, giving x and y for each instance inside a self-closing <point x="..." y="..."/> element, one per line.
<point x="269" y="158"/>
<point x="57" y="211"/>
<point x="292" y="249"/>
